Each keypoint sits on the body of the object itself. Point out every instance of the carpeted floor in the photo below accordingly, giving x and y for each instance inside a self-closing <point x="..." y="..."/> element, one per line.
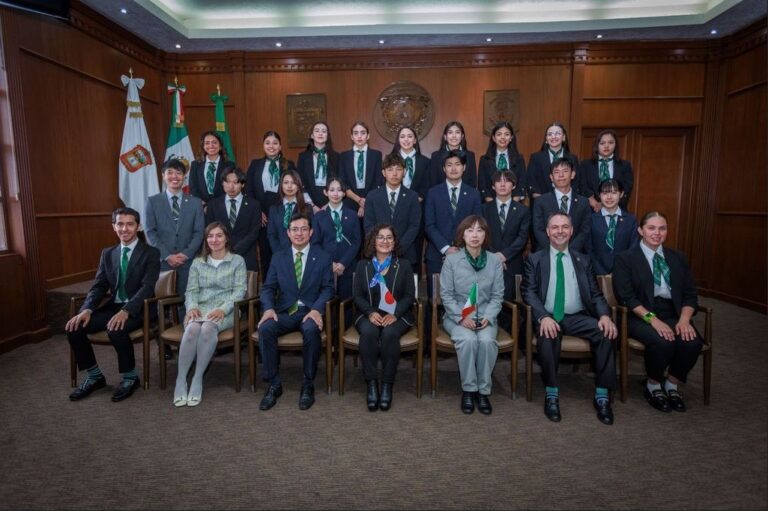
<point x="423" y="454"/>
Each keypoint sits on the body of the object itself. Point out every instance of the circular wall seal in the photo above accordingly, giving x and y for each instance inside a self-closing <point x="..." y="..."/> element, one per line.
<point x="403" y="104"/>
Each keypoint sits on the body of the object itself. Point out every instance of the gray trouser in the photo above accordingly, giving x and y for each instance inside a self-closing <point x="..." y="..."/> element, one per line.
<point x="476" y="351"/>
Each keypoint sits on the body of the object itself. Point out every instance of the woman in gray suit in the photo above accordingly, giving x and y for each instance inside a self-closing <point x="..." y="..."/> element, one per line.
<point x="472" y="289"/>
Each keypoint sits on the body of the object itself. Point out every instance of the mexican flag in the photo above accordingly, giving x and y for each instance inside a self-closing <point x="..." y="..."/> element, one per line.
<point x="137" y="171"/>
<point x="178" y="145"/>
<point x="221" y="123"/>
<point x="471" y="304"/>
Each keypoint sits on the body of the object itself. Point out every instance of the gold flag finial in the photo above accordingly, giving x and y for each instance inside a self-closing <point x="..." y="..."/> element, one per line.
<point x="218" y="90"/>
<point x="176" y="81"/>
<point x="130" y="72"/>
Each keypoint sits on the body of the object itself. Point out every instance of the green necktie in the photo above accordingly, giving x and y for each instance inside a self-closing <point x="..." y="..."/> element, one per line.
<point x="210" y="177"/>
<point x="454" y="199"/>
<point x="409" y="169"/>
<point x="503" y="214"/>
<point x="564" y="204"/>
<point x="175" y="209"/>
<point x="288" y="214"/>
<point x="121" y="294"/>
<point x="322" y="165"/>
<point x="555" y="155"/>
<point x="610" y="237"/>
<point x="604" y="173"/>
<point x="660" y="269"/>
<point x="274" y="171"/>
<point x="297" y="267"/>
<point x="559" y="311"/>
<point x="361" y="166"/>
<point x="502" y="163"/>
<point x="392" y="202"/>
<point x="232" y="212"/>
<point x="337" y="225"/>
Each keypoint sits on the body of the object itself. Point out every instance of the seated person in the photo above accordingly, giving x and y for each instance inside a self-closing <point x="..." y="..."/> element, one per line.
<point x="612" y="229"/>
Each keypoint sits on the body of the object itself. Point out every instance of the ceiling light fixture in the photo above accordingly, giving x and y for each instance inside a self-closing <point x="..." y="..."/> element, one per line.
<point x="489" y="39"/>
<point x="178" y="46"/>
<point x="124" y="10"/>
<point x="599" y="36"/>
<point x="713" y="31"/>
<point x="381" y="41"/>
<point x="279" y="44"/>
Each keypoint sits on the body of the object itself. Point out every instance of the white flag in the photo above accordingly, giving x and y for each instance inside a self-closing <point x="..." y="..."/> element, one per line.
<point x="136" y="166"/>
<point x="387" y="301"/>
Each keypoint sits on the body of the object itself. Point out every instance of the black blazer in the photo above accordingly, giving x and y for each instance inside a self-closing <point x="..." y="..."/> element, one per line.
<point x="373" y="176"/>
<point x="488" y="167"/>
<point x="406" y="221"/>
<point x="625" y="238"/>
<point x="421" y="176"/>
<point x="509" y="239"/>
<point x="633" y="280"/>
<point x="306" y="168"/>
<point x="324" y="235"/>
<point x="399" y="280"/>
<point x="197" y="184"/>
<point x="276" y="232"/>
<point x="437" y="175"/>
<point x="142" y="275"/>
<point x="536" y="282"/>
<point x="244" y="236"/>
<point x="580" y="213"/>
<point x="537" y="177"/>
<point x="588" y="177"/>
<point x="254" y="186"/>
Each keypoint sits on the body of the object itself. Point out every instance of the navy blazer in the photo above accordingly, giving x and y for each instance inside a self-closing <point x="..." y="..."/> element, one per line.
<point x="421" y="177"/>
<point x="276" y="232"/>
<point x="579" y="212"/>
<point x="537" y="176"/>
<point x="511" y="238"/>
<point x="588" y="177"/>
<point x="244" y="236"/>
<point x="198" y="186"/>
<point x="140" y="279"/>
<point x="373" y="176"/>
<point x="536" y="282"/>
<point x="406" y="220"/>
<point x="440" y="221"/>
<point x="626" y="237"/>
<point x="399" y="280"/>
<point x="254" y="186"/>
<point x="324" y="235"/>
<point x="306" y="168"/>
<point x="437" y="173"/>
<point x="485" y="174"/>
<point x="633" y="280"/>
<point x="280" y="290"/>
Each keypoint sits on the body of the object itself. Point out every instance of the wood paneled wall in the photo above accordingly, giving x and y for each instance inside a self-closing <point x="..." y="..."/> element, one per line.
<point x="692" y="117"/>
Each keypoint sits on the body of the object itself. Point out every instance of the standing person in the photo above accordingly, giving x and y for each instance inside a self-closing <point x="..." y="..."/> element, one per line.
<point x="501" y="155"/>
<point x="336" y="229"/>
<point x="554" y="147"/>
<point x="612" y="230"/>
<point x="291" y="201"/>
<point x="241" y="215"/>
<point x="360" y="169"/>
<point x="298" y="285"/>
<point x="397" y="206"/>
<point x="217" y="279"/>
<point x="567" y="301"/>
<point x="382" y="321"/>
<point x="565" y="199"/>
<point x="127" y="271"/>
<point x="454" y="139"/>
<point x="416" y="176"/>
<point x="472" y="289"/>
<point x="317" y="163"/>
<point x="606" y="163"/>
<point x="205" y="174"/>
<point x="262" y="182"/>
<point x="655" y="283"/>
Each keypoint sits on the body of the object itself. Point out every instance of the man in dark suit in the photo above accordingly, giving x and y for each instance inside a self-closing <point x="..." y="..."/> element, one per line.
<point x="561" y="289"/>
<point x="298" y="285"/>
<point x="127" y="271"/>
<point x="242" y="214"/>
<point x="563" y="198"/>
<point x="397" y="206"/>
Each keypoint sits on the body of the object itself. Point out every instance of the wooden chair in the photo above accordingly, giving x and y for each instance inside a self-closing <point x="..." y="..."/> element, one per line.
<point x="412" y="340"/>
<point x="164" y="288"/>
<point x="441" y="341"/>
<point x="227" y="337"/>
<point x="570" y="346"/>
<point x="628" y="344"/>
<point x="290" y="342"/>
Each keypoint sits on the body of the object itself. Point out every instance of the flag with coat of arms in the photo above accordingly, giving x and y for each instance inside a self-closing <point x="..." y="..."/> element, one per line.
<point x="178" y="145"/>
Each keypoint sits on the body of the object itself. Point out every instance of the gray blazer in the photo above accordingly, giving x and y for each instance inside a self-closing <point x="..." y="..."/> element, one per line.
<point x="456" y="279"/>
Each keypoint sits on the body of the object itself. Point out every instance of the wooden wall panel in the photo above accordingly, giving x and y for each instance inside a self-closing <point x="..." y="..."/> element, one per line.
<point x="646" y="80"/>
<point x="739" y="250"/>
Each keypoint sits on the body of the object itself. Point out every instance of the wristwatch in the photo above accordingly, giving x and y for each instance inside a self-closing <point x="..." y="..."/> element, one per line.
<point x="648" y="317"/>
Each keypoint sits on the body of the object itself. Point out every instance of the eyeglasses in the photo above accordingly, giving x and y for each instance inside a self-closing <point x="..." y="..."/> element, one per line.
<point x="297" y="230"/>
<point x="388" y="239"/>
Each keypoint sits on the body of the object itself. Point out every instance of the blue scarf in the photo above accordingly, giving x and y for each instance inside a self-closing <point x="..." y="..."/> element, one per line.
<point x="379" y="268"/>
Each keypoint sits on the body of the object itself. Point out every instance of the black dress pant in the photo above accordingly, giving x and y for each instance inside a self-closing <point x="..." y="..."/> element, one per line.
<point x="287" y="323"/>
<point x="377" y="342"/>
<point x="603" y="354"/>
<point x="120" y="340"/>
<point x="679" y="356"/>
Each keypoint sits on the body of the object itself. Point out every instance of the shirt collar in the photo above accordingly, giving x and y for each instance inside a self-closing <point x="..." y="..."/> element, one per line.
<point x="238" y="197"/>
<point x="170" y="194"/>
<point x="131" y="245"/>
<point x="499" y="202"/>
<point x="449" y="185"/>
<point x="288" y="201"/>
<point x="649" y="253"/>
<point x="389" y="190"/>
<point x="304" y="251"/>
<point x="365" y="148"/>
<point x="553" y="252"/>
<point x="605" y="212"/>
<point x="408" y="155"/>
<point x="559" y="194"/>
<point x="216" y="161"/>
<point x="338" y="210"/>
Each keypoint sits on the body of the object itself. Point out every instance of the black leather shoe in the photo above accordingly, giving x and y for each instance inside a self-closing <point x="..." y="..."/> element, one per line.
<point x="467" y="402"/>
<point x="658" y="400"/>
<point x="385" y="402"/>
<point x="604" y="411"/>
<point x="125" y="389"/>
<point x="168" y="352"/>
<point x="270" y="397"/>
<point x="88" y="386"/>
<point x="675" y="401"/>
<point x="372" y="398"/>
<point x="484" y="404"/>
<point x="552" y="409"/>
<point x="307" y="397"/>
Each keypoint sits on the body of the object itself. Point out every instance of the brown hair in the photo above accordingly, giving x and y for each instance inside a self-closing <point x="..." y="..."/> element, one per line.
<point x="468" y="222"/>
<point x="300" y="204"/>
<point x="222" y="150"/>
<point x="392" y="160"/>
<point x="652" y="214"/>
<point x="369" y="249"/>
<point x="205" y="250"/>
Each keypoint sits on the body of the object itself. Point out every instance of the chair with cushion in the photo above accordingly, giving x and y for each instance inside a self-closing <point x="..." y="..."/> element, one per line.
<point x="412" y="340"/>
<point x="164" y="288"/>
<point x="173" y="334"/>
<point x="441" y="341"/>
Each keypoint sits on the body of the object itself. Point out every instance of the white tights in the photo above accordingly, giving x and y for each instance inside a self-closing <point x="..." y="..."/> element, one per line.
<point x="200" y="340"/>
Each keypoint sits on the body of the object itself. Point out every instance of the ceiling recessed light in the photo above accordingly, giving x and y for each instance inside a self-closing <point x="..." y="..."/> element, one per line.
<point x="124" y="10"/>
<point x="599" y="36"/>
<point x="713" y="31"/>
<point x="489" y="39"/>
<point x="381" y="41"/>
<point x="279" y="44"/>
<point x="178" y="46"/>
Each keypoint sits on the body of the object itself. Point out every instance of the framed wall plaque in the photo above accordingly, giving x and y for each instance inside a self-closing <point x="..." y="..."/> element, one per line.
<point x="403" y="104"/>
<point x="303" y="110"/>
<point x="501" y="105"/>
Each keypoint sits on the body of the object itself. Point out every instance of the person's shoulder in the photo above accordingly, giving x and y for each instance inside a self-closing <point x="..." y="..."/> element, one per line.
<point x="454" y="257"/>
<point x="315" y="251"/>
<point x="404" y="264"/>
<point x="146" y="247"/>
<point x="193" y="200"/>
<point x="516" y="206"/>
<point x="237" y="259"/>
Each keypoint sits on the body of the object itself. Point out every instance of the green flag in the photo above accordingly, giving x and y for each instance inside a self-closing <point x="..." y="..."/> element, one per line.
<point x="178" y="145"/>
<point x="221" y="123"/>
